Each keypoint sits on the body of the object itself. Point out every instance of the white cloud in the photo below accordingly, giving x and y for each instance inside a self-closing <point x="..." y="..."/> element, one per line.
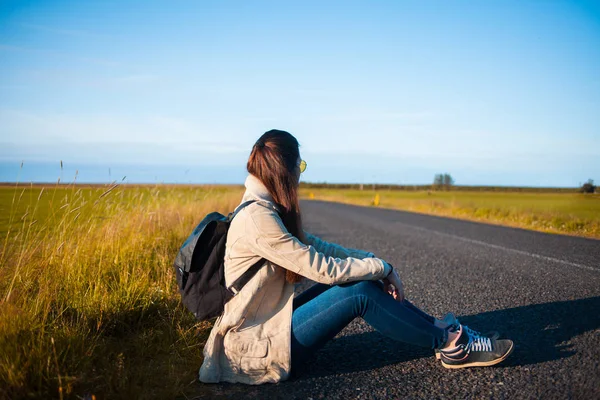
<point x="143" y="139"/>
<point x="107" y="153"/>
<point x="166" y="139"/>
<point x="21" y="127"/>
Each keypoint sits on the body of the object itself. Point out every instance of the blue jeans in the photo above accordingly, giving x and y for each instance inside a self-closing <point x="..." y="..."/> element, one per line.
<point x="322" y="311"/>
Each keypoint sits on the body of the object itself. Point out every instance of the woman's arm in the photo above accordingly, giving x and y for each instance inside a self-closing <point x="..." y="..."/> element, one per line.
<point x="334" y="249"/>
<point x="269" y="238"/>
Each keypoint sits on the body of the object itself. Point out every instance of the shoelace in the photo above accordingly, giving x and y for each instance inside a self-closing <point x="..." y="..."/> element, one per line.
<point x="479" y="343"/>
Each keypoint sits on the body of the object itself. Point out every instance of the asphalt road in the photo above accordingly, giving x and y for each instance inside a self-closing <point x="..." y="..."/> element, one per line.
<point x="540" y="290"/>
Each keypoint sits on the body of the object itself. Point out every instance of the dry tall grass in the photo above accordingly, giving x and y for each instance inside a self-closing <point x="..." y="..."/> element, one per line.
<point x="88" y="300"/>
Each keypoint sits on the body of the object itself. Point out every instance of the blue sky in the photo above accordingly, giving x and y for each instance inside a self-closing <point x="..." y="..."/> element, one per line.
<point x="493" y="92"/>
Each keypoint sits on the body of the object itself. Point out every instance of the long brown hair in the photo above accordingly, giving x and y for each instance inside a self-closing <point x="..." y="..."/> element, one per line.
<point x="273" y="161"/>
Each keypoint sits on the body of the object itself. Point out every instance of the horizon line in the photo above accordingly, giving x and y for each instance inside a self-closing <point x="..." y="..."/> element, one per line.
<point x="323" y="183"/>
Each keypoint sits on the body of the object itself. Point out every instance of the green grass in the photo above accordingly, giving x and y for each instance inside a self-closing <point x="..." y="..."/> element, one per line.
<point x="565" y="213"/>
<point x="88" y="299"/>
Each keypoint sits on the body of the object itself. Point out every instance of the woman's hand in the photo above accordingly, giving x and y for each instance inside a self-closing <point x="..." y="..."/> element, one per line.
<point x="393" y="286"/>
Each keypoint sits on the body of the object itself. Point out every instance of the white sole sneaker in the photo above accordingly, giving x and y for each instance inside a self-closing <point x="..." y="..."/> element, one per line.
<point x="482" y="363"/>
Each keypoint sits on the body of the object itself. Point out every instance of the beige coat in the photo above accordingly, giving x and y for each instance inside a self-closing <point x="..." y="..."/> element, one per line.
<point x="250" y="342"/>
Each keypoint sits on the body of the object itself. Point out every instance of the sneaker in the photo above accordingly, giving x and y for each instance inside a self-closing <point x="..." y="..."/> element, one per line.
<point x="451" y="319"/>
<point x="475" y="351"/>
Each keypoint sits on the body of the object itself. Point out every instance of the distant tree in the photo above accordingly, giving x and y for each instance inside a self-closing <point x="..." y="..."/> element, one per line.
<point x="438" y="181"/>
<point x="588" y="187"/>
<point x="443" y="181"/>
<point x="448" y="181"/>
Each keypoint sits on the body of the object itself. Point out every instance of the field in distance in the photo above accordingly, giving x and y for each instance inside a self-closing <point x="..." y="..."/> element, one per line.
<point x="561" y="211"/>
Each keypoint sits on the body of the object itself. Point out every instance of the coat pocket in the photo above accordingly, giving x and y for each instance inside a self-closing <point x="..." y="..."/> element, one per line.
<point x="246" y="346"/>
<point x="247" y="356"/>
<point x="256" y="349"/>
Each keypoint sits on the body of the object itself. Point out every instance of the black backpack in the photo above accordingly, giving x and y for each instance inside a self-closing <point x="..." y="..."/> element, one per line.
<point x="199" y="266"/>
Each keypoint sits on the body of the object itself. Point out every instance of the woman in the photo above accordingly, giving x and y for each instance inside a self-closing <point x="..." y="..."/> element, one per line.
<point x="265" y="333"/>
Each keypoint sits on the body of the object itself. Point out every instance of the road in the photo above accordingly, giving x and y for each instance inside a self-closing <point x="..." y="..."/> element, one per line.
<point x="540" y="290"/>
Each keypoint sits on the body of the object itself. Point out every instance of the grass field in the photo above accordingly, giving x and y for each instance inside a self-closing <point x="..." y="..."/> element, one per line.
<point x="566" y="213"/>
<point x="88" y="300"/>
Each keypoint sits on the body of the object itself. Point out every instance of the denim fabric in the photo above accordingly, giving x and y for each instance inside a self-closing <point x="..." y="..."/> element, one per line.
<point x="323" y="311"/>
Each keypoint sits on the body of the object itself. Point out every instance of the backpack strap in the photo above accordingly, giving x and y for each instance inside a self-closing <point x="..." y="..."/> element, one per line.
<point x="231" y="215"/>
<point x="250" y="272"/>
<point x="246" y="276"/>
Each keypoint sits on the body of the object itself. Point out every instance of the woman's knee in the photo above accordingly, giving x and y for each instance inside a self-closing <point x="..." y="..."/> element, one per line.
<point x="363" y="294"/>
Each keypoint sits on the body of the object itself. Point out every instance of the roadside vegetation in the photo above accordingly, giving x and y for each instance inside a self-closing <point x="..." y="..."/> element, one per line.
<point x="563" y="211"/>
<point x="88" y="300"/>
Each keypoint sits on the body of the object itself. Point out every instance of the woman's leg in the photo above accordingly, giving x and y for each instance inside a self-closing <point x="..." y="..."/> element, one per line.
<point x="319" y="288"/>
<point x="414" y="308"/>
<point x="317" y="321"/>
<point x="310" y="294"/>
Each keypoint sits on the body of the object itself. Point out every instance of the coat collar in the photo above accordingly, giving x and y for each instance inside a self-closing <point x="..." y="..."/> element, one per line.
<point x="255" y="189"/>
